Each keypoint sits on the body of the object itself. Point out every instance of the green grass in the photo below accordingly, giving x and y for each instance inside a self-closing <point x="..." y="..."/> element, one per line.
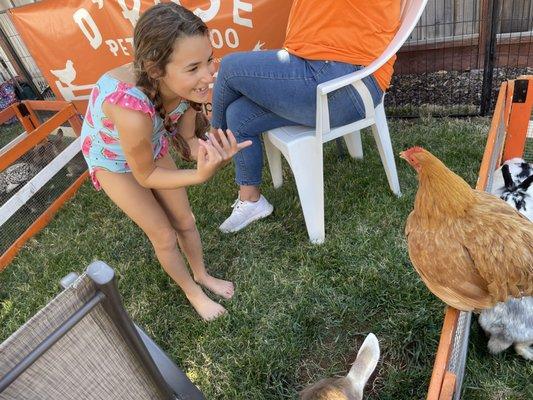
<point x="300" y="311"/>
<point x="10" y="131"/>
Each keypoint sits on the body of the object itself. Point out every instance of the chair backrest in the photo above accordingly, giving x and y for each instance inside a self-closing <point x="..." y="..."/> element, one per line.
<point x="78" y="347"/>
<point x="410" y="13"/>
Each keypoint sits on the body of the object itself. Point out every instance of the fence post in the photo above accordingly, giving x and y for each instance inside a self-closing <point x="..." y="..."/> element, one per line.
<point x="487" y="41"/>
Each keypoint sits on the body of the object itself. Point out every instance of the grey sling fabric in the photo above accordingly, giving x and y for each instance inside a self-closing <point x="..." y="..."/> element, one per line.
<point x="92" y="360"/>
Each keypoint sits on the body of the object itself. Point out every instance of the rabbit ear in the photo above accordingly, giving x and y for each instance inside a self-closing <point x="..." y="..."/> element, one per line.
<point x="365" y="363"/>
<point x="526" y="183"/>
<point x="507" y="178"/>
<point x="59" y="133"/>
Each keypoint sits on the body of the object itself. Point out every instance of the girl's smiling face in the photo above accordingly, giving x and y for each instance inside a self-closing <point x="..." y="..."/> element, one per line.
<point x="189" y="71"/>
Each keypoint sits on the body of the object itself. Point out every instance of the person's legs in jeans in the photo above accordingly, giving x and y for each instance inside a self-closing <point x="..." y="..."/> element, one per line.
<point x="258" y="91"/>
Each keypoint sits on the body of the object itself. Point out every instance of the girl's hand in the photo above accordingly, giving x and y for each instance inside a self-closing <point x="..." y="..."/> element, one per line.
<point x="226" y="144"/>
<point x="209" y="160"/>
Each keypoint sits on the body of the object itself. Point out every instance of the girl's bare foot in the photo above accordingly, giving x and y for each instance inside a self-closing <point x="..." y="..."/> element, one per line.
<point x="218" y="286"/>
<point x="207" y="308"/>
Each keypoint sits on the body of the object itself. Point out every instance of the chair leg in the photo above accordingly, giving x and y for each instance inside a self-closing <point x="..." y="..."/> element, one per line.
<point x="382" y="137"/>
<point x="274" y="161"/>
<point x="354" y="144"/>
<point x="307" y="166"/>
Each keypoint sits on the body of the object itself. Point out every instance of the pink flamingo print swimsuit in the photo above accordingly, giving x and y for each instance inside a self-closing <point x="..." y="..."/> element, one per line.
<point x="99" y="138"/>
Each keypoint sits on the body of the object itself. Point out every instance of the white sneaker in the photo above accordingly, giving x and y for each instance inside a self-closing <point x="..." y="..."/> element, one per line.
<point x="246" y="212"/>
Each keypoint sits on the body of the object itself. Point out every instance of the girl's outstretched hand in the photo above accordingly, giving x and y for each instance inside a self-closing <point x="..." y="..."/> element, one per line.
<point x="217" y="152"/>
<point x="208" y="161"/>
<point x="226" y="144"/>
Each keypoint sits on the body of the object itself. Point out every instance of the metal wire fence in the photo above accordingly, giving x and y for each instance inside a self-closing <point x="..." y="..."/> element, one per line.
<point x="459" y="53"/>
<point x="453" y="64"/>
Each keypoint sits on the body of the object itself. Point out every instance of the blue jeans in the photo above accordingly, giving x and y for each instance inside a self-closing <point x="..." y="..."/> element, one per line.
<point x="262" y="90"/>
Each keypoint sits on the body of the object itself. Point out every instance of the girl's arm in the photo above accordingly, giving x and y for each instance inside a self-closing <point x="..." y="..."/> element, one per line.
<point x="135" y="132"/>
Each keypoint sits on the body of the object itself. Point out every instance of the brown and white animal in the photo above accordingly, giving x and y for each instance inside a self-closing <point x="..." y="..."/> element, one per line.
<point x="471" y="249"/>
<point x="511" y="323"/>
<point x="30" y="164"/>
<point x="351" y="386"/>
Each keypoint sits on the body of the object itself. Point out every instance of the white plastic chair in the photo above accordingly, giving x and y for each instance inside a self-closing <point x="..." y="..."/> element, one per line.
<point x="302" y="146"/>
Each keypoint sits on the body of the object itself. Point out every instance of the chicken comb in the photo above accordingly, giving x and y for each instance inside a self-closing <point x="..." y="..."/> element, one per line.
<point x="414" y="149"/>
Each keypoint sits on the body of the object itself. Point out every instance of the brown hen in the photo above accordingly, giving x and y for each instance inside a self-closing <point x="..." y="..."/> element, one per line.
<point x="470" y="248"/>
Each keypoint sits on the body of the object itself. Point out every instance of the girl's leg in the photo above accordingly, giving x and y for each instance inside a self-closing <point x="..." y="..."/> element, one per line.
<point x="176" y="206"/>
<point x="142" y="207"/>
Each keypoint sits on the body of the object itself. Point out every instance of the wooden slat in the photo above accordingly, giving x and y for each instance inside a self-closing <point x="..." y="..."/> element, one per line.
<point x="35" y="120"/>
<point x="498" y="120"/>
<point x="514" y="16"/>
<point x="443" y="353"/>
<point x="466" y="14"/>
<point x="41" y="222"/>
<point x="15" y="202"/>
<point x="456" y="56"/>
<point x="520" y="114"/>
<point x="448" y="386"/>
<point x="76" y="124"/>
<point x="46" y="105"/>
<point x="28" y="123"/>
<point x="7" y="113"/>
<point x="36" y="136"/>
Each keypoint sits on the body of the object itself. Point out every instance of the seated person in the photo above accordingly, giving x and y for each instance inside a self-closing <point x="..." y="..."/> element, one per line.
<point x="262" y="90"/>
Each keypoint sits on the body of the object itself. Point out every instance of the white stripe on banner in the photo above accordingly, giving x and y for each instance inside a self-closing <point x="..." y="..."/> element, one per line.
<point x="11" y="206"/>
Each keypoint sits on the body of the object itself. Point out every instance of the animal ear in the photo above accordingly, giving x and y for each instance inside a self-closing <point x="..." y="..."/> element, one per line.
<point x="39" y="150"/>
<point x="364" y="365"/>
<point x="59" y="133"/>
<point x="507" y="178"/>
<point x="526" y="183"/>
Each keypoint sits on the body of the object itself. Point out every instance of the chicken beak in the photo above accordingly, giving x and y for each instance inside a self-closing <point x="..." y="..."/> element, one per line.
<point x="403" y="155"/>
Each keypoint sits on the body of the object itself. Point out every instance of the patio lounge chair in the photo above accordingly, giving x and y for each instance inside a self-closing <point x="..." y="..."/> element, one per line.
<point x="83" y="345"/>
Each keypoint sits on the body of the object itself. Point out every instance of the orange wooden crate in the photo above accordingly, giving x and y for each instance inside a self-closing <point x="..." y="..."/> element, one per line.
<point x="37" y="132"/>
<point x="508" y="137"/>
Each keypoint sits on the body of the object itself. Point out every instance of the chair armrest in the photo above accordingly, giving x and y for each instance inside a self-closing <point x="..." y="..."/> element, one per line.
<point x="349" y="79"/>
<point x="356" y="80"/>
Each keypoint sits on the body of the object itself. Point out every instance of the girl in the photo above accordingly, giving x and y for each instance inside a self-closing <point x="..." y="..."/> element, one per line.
<point x="131" y="112"/>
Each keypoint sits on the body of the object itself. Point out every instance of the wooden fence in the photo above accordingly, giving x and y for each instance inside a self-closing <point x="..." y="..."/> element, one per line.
<point x="452" y="35"/>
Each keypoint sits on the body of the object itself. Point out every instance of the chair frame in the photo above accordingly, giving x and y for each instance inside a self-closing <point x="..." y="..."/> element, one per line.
<point x="309" y="141"/>
<point x="167" y="377"/>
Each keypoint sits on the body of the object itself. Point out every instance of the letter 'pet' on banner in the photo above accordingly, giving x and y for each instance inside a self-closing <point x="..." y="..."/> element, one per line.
<point x="75" y="42"/>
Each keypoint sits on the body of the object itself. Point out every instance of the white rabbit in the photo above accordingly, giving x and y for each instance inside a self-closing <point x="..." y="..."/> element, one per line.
<point x="351" y="386"/>
<point x="518" y="170"/>
<point x="512" y="322"/>
<point x="518" y="192"/>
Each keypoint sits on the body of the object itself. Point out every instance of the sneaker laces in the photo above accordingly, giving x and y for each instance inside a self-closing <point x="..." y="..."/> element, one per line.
<point x="238" y="207"/>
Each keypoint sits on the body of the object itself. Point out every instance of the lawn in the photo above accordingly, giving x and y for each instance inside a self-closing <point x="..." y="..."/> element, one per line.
<point x="300" y="311"/>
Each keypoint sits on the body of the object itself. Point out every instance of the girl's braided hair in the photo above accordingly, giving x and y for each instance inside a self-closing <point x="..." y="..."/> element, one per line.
<point x="154" y="37"/>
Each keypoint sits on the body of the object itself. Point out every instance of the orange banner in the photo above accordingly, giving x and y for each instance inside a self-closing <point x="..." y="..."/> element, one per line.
<point x="75" y="41"/>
